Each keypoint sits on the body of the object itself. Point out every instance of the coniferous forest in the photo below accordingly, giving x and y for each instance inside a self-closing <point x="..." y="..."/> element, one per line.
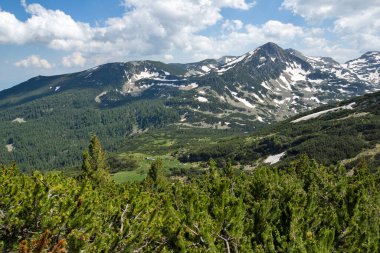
<point x="299" y="207"/>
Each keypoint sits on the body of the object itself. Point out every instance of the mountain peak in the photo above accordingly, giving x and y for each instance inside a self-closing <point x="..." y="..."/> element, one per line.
<point x="271" y="47"/>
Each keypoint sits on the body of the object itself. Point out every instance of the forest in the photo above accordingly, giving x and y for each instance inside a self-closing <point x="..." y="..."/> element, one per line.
<point x="301" y="206"/>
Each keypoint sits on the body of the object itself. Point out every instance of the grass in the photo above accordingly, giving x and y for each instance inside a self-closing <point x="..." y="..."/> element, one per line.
<point x="172" y="139"/>
<point x="129" y="176"/>
<point x="144" y="161"/>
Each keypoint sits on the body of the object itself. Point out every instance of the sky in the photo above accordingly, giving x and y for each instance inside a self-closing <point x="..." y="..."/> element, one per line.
<point x="48" y="37"/>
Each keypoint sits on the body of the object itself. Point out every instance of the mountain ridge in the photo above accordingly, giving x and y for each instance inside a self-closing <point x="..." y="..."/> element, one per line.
<point x="120" y="100"/>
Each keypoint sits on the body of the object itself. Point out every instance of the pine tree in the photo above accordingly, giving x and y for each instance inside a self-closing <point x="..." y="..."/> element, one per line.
<point x="94" y="163"/>
<point x="155" y="172"/>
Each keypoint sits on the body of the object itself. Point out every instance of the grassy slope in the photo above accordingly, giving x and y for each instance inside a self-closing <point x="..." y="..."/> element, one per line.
<point x="144" y="162"/>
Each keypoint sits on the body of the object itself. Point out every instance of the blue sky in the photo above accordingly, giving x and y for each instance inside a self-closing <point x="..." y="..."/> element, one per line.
<point x="46" y="37"/>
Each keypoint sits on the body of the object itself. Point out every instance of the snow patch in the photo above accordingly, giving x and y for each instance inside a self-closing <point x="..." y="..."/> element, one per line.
<point x="258" y="98"/>
<point x="19" y="120"/>
<point x="202" y="99"/>
<point x="296" y="73"/>
<point x="260" y="119"/>
<point x="188" y="87"/>
<point x="281" y="102"/>
<point x="272" y="159"/>
<point x="183" y="118"/>
<point x="317" y="81"/>
<point x="9" y="147"/>
<point x="97" y="98"/>
<point x="130" y="87"/>
<point x="145" y="74"/>
<point x="317" y="114"/>
<point x="242" y="100"/>
<point x="264" y="84"/>
<point x="286" y="82"/>
<point x="205" y="68"/>
<point x="315" y="99"/>
<point x="222" y="70"/>
<point x="237" y="60"/>
<point x="343" y="91"/>
<point x="245" y="102"/>
<point x="57" y="88"/>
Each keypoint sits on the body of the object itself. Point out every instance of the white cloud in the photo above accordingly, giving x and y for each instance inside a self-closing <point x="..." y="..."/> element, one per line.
<point x="252" y="36"/>
<point x="232" y="25"/>
<point x="171" y="27"/>
<point x="147" y="27"/>
<point x="43" y="26"/>
<point x="361" y="29"/>
<point x="146" y="21"/>
<point x="74" y="60"/>
<point x="168" y="57"/>
<point x="318" y="10"/>
<point x="11" y="29"/>
<point x="276" y="29"/>
<point x="356" y="23"/>
<point x="33" y="61"/>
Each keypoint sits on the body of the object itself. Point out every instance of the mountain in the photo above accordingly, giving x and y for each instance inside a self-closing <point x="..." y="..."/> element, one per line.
<point x="366" y="67"/>
<point x="46" y="121"/>
<point x="341" y="133"/>
<point x="266" y="84"/>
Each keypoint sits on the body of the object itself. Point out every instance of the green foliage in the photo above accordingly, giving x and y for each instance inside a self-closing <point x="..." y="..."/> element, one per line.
<point x="303" y="207"/>
<point x="62" y="124"/>
<point x="94" y="165"/>
<point x="329" y="139"/>
<point x="118" y="163"/>
<point x="155" y="172"/>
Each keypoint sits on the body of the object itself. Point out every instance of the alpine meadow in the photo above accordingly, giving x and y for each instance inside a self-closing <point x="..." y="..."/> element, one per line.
<point x="189" y="126"/>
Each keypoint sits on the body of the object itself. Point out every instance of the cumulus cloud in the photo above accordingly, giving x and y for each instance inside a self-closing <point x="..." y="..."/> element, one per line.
<point x="232" y="25"/>
<point x="251" y="36"/>
<point x="355" y="22"/>
<point x="74" y="60"/>
<point x="147" y="27"/>
<point x="33" y="61"/>
<point x="168" y="57"/>
<point x="161" y="28"/>
<point x="278" y="29"/>
<point x="318" y="10"/>
<point x="43" y="26"/>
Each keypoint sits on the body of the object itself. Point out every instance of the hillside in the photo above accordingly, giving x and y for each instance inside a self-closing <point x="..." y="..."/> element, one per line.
<point x="343" y="132"/>
<point x="46" y="121"/>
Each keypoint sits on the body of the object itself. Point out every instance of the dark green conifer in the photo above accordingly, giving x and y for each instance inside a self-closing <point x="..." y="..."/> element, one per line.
<point x="155" y="172"/>
<point x="94" y="163"/>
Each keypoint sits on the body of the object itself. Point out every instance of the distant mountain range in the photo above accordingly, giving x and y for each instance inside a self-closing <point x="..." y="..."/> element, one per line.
<point x="267" y="84"/>
<point x="117" y="100"/>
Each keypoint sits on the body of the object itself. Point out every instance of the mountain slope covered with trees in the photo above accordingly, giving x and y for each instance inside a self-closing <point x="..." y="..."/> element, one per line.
<point x="46" y="121"/>
<point x="329" y="134"/>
